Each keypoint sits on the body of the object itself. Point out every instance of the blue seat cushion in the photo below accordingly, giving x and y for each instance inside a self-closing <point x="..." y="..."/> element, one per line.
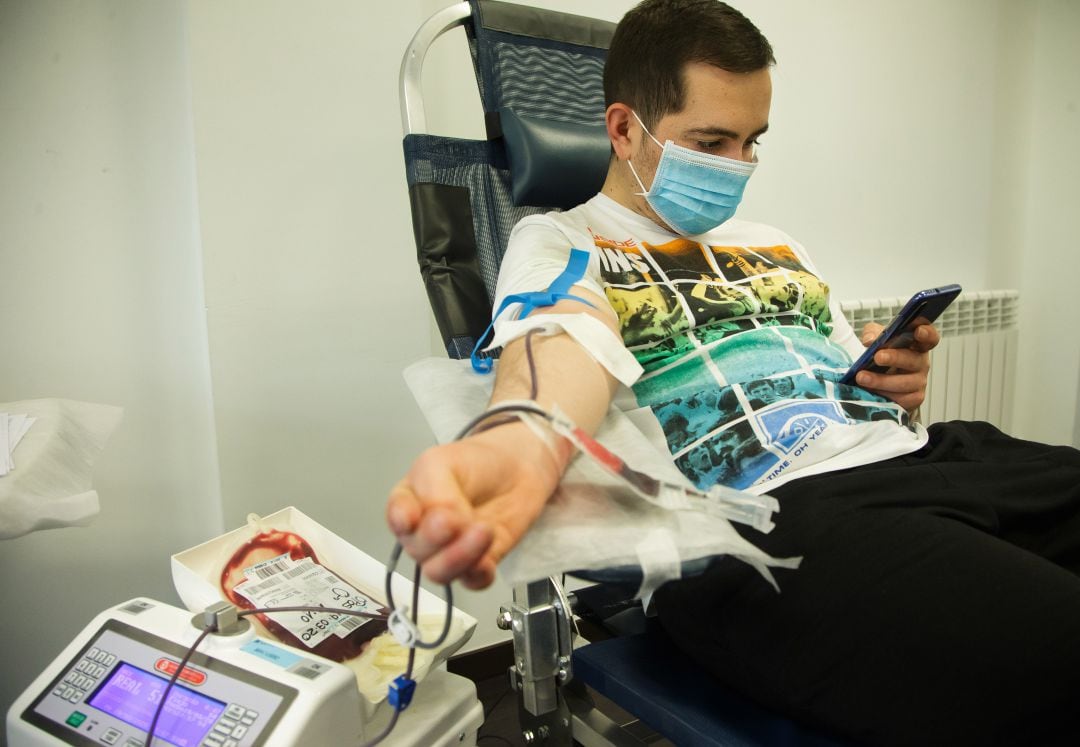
<point x="648" y="676"/>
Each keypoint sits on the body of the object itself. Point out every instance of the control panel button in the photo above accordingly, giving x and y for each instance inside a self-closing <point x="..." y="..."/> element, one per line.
<point x="92" y="653"/>
<point x="109" y="660"/>
<point x="239" y="732"/>
<point x="235" y="711"/>
<point x="110" y="736"/>
<point x="76" y="719"/>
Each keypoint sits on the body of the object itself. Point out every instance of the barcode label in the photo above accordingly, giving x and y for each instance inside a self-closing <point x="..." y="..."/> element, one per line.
<point x="349" y="624"/>
<point x="270" y="570"/>
<point x="304" y="583"/>
<point x="307" y="672"/>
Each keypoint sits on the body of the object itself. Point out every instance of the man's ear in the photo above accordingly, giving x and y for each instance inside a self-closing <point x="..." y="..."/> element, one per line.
<point x="620" y="124"/>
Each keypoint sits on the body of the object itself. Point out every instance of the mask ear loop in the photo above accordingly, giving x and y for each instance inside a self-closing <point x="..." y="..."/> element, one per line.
<point x="644" y="192"/>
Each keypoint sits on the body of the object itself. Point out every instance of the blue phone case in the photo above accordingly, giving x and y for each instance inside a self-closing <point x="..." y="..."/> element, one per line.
<point x="926" y="304"/>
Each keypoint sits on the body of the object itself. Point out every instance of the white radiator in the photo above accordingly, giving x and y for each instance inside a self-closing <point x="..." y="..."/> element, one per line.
<point x="973" y="370"/>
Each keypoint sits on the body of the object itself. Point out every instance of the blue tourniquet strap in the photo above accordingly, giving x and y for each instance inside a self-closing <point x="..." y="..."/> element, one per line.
<point x="557" y="291"/>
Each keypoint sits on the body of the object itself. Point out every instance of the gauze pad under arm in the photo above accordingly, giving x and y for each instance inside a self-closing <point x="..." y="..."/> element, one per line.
<point x="593" y="335"/>
<point x="595" y="520"/>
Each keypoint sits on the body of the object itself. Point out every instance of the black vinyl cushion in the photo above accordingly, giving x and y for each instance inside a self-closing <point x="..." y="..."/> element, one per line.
<point x="446" y="251"/>
<point x="553" y="163"/>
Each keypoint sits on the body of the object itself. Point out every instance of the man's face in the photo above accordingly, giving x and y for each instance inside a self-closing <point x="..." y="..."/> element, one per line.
<point x="724" y="114"/>
<point x="784" y="386"/>
<point x="760" y="390"/>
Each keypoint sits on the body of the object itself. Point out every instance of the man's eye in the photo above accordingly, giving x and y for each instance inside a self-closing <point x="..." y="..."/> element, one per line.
<point x="709" y="144"/>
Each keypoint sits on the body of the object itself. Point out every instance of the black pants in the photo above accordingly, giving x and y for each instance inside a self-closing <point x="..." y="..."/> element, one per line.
<point x="938" y="601"/>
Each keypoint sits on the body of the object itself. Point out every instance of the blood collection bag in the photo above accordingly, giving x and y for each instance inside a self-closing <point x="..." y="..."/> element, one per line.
<point x="280" y="569"/>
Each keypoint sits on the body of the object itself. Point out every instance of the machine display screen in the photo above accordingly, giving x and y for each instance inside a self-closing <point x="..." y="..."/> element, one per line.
<point x="132" y="695"/>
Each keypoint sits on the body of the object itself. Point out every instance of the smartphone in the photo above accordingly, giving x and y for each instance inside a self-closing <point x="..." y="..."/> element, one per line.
<point x="922" y="308"/>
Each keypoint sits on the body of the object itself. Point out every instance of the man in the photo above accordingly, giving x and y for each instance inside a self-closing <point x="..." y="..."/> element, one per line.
<point x="938" y="601"/>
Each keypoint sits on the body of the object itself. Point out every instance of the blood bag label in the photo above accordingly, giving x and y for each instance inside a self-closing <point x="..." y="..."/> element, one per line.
<point x="284" y="582"/>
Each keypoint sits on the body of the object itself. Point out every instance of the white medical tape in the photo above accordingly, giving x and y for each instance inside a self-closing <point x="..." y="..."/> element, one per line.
<point x="603" y="345"/>
<point x="658" y="557"/>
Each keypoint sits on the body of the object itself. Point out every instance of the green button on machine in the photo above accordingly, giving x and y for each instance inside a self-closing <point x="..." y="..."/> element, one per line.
<point x="76" y="719"/>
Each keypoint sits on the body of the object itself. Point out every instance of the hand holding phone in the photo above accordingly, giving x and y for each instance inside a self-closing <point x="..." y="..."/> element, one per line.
<point x="922" y="308"/>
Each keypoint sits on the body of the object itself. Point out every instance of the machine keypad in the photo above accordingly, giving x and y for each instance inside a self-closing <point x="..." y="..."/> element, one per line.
<point x="83" y="677"/>
<point x="231" y="727"/>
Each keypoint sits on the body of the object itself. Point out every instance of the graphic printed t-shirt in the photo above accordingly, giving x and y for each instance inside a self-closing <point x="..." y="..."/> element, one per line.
<point x="741" y="349"/>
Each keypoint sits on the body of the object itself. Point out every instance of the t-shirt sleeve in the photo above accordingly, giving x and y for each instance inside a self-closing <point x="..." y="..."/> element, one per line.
<point x="536" y="254"/>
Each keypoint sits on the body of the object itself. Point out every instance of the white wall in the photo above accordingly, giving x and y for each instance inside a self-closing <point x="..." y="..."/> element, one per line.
<point x="911" y="145"/>
<point x="1047" y="261"/>
<point x="101" y="300"/>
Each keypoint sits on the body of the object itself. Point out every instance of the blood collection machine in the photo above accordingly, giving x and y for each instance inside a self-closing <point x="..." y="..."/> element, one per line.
<point x="240" y="687"/>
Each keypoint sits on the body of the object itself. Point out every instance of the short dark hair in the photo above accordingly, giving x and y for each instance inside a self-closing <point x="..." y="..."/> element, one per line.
<point x="655" y="41"/>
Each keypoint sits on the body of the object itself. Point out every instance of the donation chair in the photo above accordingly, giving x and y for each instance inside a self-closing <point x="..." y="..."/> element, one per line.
<point x="540" y="75"/>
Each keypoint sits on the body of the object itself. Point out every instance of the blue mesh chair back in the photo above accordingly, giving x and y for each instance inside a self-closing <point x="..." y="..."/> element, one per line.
<point x="537" y="69"/>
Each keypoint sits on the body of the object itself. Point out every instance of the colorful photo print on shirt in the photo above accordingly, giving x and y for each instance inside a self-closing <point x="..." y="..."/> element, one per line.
<point x="739" y="370"/>
<point x="688" y="419"/>
<point x="647" y="314"/>
<point x="732" y="457"/>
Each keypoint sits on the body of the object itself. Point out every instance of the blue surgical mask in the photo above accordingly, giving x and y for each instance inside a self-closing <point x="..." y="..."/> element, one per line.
<point x="694" y="192"/>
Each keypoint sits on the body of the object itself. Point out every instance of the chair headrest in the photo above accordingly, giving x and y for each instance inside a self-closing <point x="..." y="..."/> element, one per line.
<point x="553" y="163"/>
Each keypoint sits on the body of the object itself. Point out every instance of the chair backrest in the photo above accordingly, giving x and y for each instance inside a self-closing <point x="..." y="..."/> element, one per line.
<point x="540" y="75"/>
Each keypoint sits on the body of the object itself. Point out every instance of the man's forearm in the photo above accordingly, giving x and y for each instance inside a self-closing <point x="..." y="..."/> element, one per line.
<point x="566" y="375"/>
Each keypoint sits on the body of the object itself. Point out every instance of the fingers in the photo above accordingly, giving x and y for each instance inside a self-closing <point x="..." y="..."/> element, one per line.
<point x="463" y="556"/>
<point x="445" y="542"/>
<point x="436" y="524"/>
<point x="902" y="360"/>
<point x="870" y="332"/>
<point x="402" y="510"/>
<point x="927" y="338"/>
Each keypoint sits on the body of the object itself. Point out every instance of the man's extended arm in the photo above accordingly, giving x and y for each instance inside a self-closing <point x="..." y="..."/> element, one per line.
<point x="462" y="506"/>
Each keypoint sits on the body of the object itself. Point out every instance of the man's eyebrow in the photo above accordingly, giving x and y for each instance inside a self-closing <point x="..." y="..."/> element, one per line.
<point x="724" y="132"/>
